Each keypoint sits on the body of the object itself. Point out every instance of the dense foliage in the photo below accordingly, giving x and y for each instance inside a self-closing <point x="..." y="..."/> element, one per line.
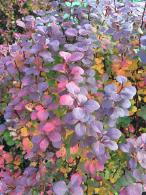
<point x="72" y="97"/>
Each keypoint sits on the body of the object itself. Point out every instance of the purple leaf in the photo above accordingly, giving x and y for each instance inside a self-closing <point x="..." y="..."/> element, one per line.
<point x="111" y="145"/>
<point x="33" y="115"/>
<point x="110" y="89"/>
<point x="20" y="23"/>
<point x="71" y="32"/>
<point x="97" y="126"/>
<point x="128" y="92"/>
<point x="126" y="147"/>
<point x="91" y="105"/>
<point x="76" y="56"/>
<point x="143" y="40"/>
<point x="121" y="79"/>
<point x="99" y="148"/>
<point x="70" y="47"/>
<point x="78" y="113"/>
<point x="69" y="119"/>
<point x="143" y="137"/>
<point x="76" y="180"/>
<point x="126" y="103"/>
<point x="141" y="156"/>
<point x="132" y="163"/>
<point x="137" y="175"/>
<point x="57" y="144"/>
<point x="77" y="70"/>
<point x="54" y="136"/>
<point x="42" y="86"/>
<point x="42" y="29"/>
<point x="80" y="129"/>
<point x="2" y="127"/>
<point x="55" y="45"/>
<point x="72" y="88"/>
<point x="65" y="55"/>
<point x="83" y="32"/>
<point x="142" y="55"/>
<point x="132" y="189"/>
<point x="60" y="188"/>
<point x="114" y="133"/>
<point x="46" y="55"/>
<point x="118" y="112"/>
<point x="59" y="68"/>
<point x="81" y="98"/>
<point x="77" y="191"/>
<point x="42" y="115"/>
<point x="44" y="144"/>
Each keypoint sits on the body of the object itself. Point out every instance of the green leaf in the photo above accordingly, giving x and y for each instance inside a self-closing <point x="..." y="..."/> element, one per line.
<point x="60" y="112"/>
<point x="8" y="138"/>
<point x="51" y="83"/>
<point x="124" y="181"/>
<point x="6" y="135"/>
<point x="68" y="4"/>
<point x="10" y="142"/>
<point x="58" y="60"/>
<point x="48" y="164"/>
<point x="35" y="192"/>
<point x="59" y="163"/>
<point x="107" y="174"/>
<point x="142" y="112"/>
<point x="67" y="146"/>
<point x="76" y="3"/>
<point x="123" y="122"/>
<point x="135" y="1"/>
<point x="11" y="166"/>
<point x="92" y="183"/>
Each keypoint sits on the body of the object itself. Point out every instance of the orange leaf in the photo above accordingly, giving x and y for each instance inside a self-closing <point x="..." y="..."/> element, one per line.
<point x="27" y="144"/>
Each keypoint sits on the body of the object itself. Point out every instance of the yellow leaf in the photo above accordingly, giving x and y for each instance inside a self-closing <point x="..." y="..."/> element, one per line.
<point x="139" y="98"/>
<point x="144" y="99"/>
<point x="63" y="170"/>
<point x="24" y="132"/>
<point x="142" y="91"/>
<point x="99" y="66"/>
<point x="33" y="164"/>
<point x="90" y="190"/>
<point x="133" y="65"/>
<point x="133" y="109"/>
<point x="68" y="133"/>
<point x="29" y="107"/>
<point x="102" y="191"/>
<point x="113" y="179"/>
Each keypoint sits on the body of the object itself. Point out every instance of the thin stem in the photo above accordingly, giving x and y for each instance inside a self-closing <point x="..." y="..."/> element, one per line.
<point x="142" y="20"/>
<point x="115" y="6"/>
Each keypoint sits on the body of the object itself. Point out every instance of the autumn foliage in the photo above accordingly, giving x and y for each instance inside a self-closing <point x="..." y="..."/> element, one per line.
<point x="72" y="99"/>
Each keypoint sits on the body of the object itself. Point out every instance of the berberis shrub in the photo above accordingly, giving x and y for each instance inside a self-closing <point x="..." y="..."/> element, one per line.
<point x="61" y="102"/>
